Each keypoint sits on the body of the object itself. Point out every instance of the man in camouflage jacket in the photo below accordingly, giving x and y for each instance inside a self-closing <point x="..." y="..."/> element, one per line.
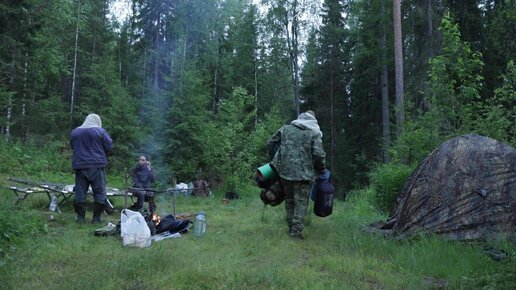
<point x="299" y="159"/>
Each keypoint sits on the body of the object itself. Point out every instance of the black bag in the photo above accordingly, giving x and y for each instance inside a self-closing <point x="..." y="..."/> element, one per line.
<point x="273" y="195"/>
<point x="324" y="190"/>
<point x="232" y="195"/>
<point x="171" y="224"/>
<point x="274" y="147"/>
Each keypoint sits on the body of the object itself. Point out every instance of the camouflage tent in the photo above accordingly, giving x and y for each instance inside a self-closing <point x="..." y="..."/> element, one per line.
<point x="464" y="190"/>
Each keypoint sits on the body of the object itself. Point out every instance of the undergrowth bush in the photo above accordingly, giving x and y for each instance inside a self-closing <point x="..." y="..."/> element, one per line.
<point x="364" y="203"/>
<point x="16" y="227"/>
<point x="387" y="181"/>
<point x="416" y="142"/>
<point x="22" y="160"/>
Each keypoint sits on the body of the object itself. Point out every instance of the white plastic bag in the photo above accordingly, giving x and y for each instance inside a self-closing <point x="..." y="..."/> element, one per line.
<point x="133" y="229"/>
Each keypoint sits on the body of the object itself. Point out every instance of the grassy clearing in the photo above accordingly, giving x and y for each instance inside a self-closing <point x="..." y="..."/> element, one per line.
<point x="246" y="247"/>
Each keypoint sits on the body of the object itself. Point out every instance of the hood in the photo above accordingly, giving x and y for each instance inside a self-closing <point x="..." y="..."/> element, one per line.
<point x="92" y="121"/>
<point x="307" y="121"/>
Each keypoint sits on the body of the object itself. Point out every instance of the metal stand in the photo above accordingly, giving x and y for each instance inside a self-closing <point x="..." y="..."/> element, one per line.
<point x="126" y="188"/>
<point x="174" y="203"/>
<point x="58" y="209"/>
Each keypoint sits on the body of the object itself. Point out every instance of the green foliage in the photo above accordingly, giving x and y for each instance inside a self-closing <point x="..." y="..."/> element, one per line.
<point x="33" y="63"/>
<point x="327" y="87"/>
<point x="46" y="121"/>
<point x="417" y="140"/>
<point x="387" y="181"/>
<point x="231" y="183"/>
<point x="245" y="245"/>
<point x="365" y="205"/>
<point x="254" y="151"/>
<point x="18" y="160"/>
<point x="455" y="108"/>
<point x="234" y="123"/>
<point x="455" y="82"/>
<point x="238" y="54"/>
<point x="16" y="228"/>
<point x="191" y="122"/>
<point x="498" y="45"/>
<point x="498" y="115"/>
<point x="172" y="88"/>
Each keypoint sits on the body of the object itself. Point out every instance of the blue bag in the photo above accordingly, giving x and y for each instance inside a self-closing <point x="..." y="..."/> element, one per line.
<point x="323" y="191"/>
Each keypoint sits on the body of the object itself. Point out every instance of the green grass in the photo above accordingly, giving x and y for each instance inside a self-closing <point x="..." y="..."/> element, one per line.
<point x="246" y="247"/>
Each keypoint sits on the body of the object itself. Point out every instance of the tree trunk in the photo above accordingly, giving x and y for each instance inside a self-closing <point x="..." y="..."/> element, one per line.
<point x="8" y="119"/>
<point x="72" y="97"/>
<point x="332" y="123"/>
<point x="216" y="79"/>
<point x="293" y="49"/>
<point x="385" y="92"/>
<point x="144" y="72"/>
<point x="255" y="89"/>
<point x="398" y="60"/>
<point x="155" y="80"/>
<point x="120" y="63"/>
<point x="24" y="99"/>
<point x="429" y="22"/>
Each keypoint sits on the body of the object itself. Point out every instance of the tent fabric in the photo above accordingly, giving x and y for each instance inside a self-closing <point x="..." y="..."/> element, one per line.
<point x="464" y="190"/>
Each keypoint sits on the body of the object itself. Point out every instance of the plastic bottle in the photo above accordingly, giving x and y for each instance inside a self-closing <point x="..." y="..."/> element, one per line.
<point x="53" y="203"/>
<point x="200" y="225"/>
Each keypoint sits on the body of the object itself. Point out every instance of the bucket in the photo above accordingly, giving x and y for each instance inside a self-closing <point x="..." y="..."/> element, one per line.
<point x="265" y="172"/>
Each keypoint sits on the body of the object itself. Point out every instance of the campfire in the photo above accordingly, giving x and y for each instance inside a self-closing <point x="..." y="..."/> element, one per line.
<point x="155" y="218"/>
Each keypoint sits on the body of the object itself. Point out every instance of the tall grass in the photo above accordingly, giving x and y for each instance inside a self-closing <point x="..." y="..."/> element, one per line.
<point x="387" y="181"/>
<point x="246" y="247"/>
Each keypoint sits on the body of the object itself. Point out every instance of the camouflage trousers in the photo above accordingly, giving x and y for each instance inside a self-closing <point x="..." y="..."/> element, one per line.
<point x="296" y="204"/>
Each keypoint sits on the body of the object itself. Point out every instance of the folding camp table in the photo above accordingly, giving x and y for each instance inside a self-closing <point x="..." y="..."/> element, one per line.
<point x="61" y="194"/>
<point x="61" y="191"/>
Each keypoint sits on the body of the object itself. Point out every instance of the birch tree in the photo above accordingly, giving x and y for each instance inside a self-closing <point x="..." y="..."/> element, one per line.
<point x="76" y="48"/>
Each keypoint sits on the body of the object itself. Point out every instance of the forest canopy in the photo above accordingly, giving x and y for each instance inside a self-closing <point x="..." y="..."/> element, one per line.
<point x="199" y="86"/>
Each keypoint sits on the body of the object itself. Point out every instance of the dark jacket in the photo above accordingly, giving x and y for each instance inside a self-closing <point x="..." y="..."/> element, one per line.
<point x="90" y="147"/>
<point x="143" y="177"/>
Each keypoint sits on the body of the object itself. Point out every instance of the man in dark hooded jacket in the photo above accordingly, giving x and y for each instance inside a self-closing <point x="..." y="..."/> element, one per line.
<point x="299" y="159"/>
<point x="143" y="177"/>
<point x="90" y="144"/>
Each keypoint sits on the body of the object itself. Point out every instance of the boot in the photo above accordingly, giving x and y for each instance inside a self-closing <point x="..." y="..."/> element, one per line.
<point x="80" y="210"/>
<point x="152" y="204"/>
<point x="98" y="208"/>
<point x="135" y="207"/>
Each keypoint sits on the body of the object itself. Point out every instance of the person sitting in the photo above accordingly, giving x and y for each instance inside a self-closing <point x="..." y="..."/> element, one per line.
<point x="143" y="177"/>
<point x="201" y="188"/>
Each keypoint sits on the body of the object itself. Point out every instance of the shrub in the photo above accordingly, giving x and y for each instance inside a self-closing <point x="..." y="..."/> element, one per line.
<point x="387" y="181"/>
<point x="16" y="227"/>
<point x="416" y="142"/>
<point x="30" y="160"/>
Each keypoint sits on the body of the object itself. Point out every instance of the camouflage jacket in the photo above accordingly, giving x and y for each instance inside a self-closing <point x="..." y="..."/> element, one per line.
<point x="300" y="154"/>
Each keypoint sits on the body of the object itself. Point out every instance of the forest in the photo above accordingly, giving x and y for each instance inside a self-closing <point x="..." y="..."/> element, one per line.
<point x="199" y="86"/>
